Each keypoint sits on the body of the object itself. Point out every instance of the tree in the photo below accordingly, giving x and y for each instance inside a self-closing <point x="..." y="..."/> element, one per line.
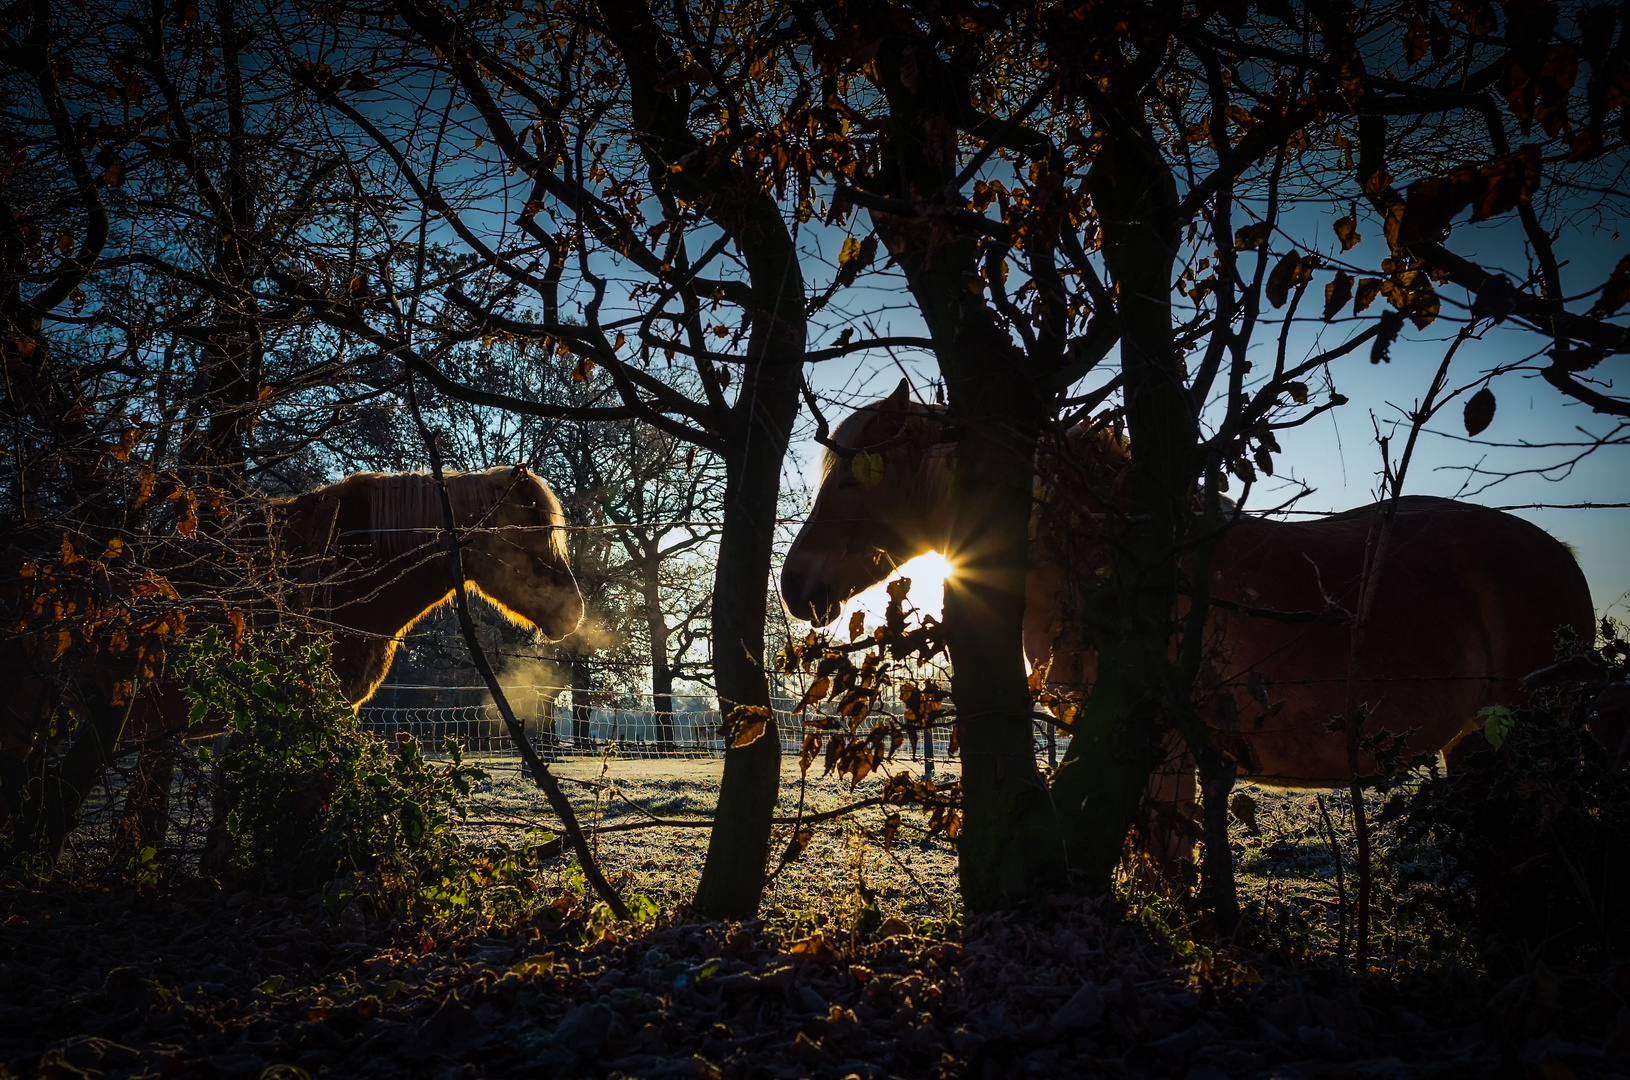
<point x="620" y="118"/>
<point x="1151" y="169"/>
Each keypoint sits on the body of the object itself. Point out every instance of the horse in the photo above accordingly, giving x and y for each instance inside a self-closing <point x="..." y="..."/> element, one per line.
<point x="363" y="559"/>
<point x="1468" y="601"/>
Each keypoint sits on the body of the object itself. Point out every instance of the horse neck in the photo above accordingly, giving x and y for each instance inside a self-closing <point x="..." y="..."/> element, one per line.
<point x="927" y="496"/>
<point x="406" y="579"/>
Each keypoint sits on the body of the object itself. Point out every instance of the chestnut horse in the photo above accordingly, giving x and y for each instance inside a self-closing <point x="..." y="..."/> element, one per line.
<point x="1468" y="602"/>
<point x="363" y="559"/>
<point x="366" y="558"/>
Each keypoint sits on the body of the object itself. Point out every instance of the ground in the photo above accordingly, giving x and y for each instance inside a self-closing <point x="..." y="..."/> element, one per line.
<point x="862" y="966"/>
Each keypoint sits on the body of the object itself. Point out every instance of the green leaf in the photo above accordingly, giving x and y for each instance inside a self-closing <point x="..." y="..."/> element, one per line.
<point x="1498" y="721"/>
<point x="412" y="817"/>
<point x="643" y="908"/>
<point x="271" y="985"/>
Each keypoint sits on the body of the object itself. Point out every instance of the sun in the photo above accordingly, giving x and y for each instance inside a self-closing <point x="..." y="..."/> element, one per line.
<point x="928" y="574"/>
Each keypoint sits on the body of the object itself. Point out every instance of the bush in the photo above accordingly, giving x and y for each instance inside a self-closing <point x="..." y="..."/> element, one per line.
<point x="1530" y="835"/>
<point x="313" y="799"/>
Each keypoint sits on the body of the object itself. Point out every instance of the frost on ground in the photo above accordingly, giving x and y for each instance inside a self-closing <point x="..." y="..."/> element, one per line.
<point x="845" y="868"/>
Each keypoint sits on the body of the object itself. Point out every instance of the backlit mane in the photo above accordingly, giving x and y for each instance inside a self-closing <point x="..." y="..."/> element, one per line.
<point x="404" y="509"/>
<point x="906" y="465"/>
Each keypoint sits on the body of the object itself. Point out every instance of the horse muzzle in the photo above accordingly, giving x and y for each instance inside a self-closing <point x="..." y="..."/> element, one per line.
<point x="810" y="601"/>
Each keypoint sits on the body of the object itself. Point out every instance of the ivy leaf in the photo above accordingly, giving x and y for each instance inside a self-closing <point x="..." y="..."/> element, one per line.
<point x="1498" y="720"/>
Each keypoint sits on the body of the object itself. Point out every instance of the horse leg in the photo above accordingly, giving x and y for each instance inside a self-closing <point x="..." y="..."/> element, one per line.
<point x="63" y="793"/>
<point x="217" y="841"/>
<point x="147" y="805"/>
<point x="1168" y="828"/>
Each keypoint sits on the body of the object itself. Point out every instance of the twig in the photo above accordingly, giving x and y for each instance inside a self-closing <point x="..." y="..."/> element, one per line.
<point x="461" y="603"/>
<point x="1392" y="479"/>
<point x="1341" y="879"/>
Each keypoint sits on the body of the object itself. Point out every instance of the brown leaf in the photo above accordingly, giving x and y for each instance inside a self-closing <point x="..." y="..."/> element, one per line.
<point x="1432" y="204"/>
<point x="1368" y="289"/>
<point x="1293" y="270"/>
<point x="815" y="948"/>
<point x="745" y="725"/>
<point x="1297" y="392"/>
<point x="1244" y="808"/>
<point x="1264" y="460"/>
<point x="1252" y="237"/>
<point x="1497" y="298"/>
<point x="1337" y="291"/>
<point x="1507" y="181"/>
<point x="799" y="842"/>
<point x="584" y="369"/>
<point x="817" y="690"/>
<point x="857" y="625"/>
<point x="1416" y="41"/>
<point x="1615" y="293"/>
<point x="1391" y="323"/>
<point x="855" y="256"/>
<point x="1479" y="411"/>
<point x="1347" y="232"/>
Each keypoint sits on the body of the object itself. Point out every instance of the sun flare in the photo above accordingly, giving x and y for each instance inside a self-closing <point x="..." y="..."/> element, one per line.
<point x="928" y="574"/>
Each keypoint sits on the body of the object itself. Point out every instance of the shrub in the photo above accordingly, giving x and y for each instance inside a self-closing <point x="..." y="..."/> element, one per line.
<point x="1531" y="832"/>
<point x="314" y="799"/>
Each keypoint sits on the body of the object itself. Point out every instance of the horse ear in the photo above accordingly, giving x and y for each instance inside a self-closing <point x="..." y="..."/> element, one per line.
<point x="888" y="415"/>
<point x="897" y="401"/>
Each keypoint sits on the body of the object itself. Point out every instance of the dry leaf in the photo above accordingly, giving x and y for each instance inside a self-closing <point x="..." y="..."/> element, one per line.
<point x="1337" y="292"/>
<point x="1347" y="232"/>
<point x="1479" y="411"/>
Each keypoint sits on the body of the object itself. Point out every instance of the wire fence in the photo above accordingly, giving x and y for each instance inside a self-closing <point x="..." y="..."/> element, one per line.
<point x="558" y="730"/>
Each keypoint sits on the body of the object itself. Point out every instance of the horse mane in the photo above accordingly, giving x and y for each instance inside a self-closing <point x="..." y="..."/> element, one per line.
<point x="922" y="428"/>
<point x="404" y="510"/>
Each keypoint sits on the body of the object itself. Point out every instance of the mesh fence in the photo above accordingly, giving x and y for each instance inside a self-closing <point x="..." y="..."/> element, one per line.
<point x="558" y="730"/>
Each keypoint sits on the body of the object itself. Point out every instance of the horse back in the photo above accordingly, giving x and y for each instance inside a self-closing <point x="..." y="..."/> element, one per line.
<point x="1468" y="601"/>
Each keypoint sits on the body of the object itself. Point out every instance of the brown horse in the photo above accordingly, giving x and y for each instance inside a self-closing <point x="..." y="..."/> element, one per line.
<point x="1468" y="601"/>
<point x="364" y="559"/>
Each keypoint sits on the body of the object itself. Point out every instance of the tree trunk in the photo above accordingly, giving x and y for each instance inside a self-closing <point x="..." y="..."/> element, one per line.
<point x="1009" y="850"/>
<point x="738" y="849"/>
<point x="59" y="793"/>
<point x="662" y="674"/>
<point x="1139" y="692"/>
<point x="582" y="703"/>
<point x="149" y="799"/>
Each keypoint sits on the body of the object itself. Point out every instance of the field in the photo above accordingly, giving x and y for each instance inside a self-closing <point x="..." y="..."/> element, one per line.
<point x="861" y="966"/>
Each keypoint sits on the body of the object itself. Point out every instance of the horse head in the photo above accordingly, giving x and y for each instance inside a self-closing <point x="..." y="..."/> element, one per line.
<point x="884" y="498"/>
<point x="515" y="553"/>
